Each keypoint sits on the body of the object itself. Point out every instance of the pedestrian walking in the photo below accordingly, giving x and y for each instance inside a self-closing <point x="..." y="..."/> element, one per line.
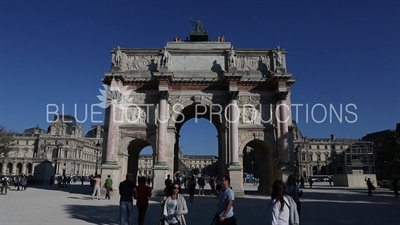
<point x="126" y="200"/>
<point x="192" y="188"/>
<point x="142" y="193"/>
<point x="108" y="186"/>
<point x="293" y="191"/>
<point x="96" y="188"/>
<point x="370" y="186"/>
<point x="175" y="207"/>
<point x="395" y="188"/>
<point x="280" y="214"/>
<point x="4" y="185"/>
<point x="225" y="214"/>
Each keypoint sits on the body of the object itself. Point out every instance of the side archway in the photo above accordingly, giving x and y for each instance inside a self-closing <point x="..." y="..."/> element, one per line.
<point x="262" y="162"/>
<point x="133" y="149"/>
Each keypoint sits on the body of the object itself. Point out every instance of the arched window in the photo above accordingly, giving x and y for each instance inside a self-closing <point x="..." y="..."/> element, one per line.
<point x="303" y="156"/>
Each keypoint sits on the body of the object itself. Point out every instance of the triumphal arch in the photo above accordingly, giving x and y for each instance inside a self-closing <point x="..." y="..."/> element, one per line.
<point x="245" y="93"/>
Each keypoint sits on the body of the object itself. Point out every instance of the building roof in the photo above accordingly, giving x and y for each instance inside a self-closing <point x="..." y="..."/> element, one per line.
<point x="93" y="132"/>
<point x="34" y="130"/>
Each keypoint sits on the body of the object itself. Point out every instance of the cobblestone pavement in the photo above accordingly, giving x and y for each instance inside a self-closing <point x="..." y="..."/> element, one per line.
<point x="320" y="205"/>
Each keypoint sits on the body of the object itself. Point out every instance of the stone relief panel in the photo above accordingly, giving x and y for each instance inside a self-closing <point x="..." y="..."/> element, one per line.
<point x="177" y="103"/>
<point x="205" y="63"/>
<point x="256" y="115"/>
<point x="262" y="63"/>
<point x="139" y="115"/>
<point x="249" y="99"/>
<point x="141" y="98"/>
<point x="249" y="115"/>
<point x="135" y="62"/>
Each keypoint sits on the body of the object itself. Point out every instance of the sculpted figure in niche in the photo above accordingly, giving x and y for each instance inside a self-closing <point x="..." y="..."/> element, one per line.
<point x="164" y="56"/>
<point x="231" y="57"/>
<point x="250" y="116"/>
<point x="132" y="114"/>
<point x="143" y="117"/>
<point x="268" y="63"/>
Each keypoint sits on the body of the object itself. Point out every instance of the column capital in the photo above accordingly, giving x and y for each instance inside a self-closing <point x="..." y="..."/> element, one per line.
<point x="282" y="95"/>
<point x="233" y="95"/>
<point x="163" y="95"/>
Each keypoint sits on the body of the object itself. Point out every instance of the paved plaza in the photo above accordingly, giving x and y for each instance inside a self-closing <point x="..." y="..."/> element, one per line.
<point x="320" y="205"/>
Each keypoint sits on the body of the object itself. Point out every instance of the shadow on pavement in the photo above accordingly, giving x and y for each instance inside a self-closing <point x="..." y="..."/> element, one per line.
<point x="71" y="188"/>
<point x="101" y="215"/>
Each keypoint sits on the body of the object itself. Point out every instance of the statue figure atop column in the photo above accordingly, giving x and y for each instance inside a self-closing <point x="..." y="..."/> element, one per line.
<point x="231" y="59"/>
<point x="279" y="67"/>
<point x="117" y="57"/>
<point x="164" y="57"/>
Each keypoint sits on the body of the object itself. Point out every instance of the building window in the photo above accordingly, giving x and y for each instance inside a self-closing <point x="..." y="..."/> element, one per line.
<point x="66" y="142"/>
<point x="66" y="154"/>
<point x="318" y="156"/>
<point x="303" y="156"/>
<point x="326" y="146"/>
<point x="58" y="131"/>
<point x="27" y="142"/>
<point x="317" y="146"/>
<point x="311" y="157"/>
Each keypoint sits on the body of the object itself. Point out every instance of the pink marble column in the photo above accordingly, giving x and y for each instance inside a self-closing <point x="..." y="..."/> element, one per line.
<point x="112" y="134"/>
<point x="234" y="127"/>
<point x="283" y="126"/>
<point x="162" y="127"/>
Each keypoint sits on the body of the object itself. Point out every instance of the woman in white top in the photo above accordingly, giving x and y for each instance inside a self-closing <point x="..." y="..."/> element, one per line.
<point x="175" y="208"/>
<point x="279" y="204"/>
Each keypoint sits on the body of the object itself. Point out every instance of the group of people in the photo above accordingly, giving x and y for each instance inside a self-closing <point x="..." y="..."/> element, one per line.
<point x="173" y="203"/>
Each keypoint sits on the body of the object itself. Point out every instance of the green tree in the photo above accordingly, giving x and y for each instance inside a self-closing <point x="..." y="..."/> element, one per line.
<point x="390" y="154"/>
<point x="7" y="142"/>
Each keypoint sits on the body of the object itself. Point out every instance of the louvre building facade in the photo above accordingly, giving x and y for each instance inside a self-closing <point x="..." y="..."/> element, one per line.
<point x="62" y="149"/>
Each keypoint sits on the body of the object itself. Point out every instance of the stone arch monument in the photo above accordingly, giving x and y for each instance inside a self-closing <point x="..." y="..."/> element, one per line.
<point x="243" y="92"/>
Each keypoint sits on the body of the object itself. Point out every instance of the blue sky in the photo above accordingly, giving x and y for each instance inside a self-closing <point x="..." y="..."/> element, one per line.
<point x="341" y="52"/>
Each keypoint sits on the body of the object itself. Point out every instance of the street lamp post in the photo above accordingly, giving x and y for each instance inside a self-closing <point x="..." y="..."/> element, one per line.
<point x="98" y="145"/>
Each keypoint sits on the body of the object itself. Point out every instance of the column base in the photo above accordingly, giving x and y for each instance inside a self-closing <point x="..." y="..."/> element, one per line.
<point x="160" y="165"/>
<point x="236" y="175"/>
<point x="285" y="170"/>
<point x="110" y="164"/>
<point x="111" y="169"/>
<point x="160" y="171"/>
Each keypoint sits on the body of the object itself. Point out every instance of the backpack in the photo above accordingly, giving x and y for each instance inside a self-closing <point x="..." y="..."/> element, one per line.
<point x="293" y="214"/>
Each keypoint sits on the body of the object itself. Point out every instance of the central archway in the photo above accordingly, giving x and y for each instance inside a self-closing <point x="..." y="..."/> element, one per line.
<point x="201" y="111"/>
